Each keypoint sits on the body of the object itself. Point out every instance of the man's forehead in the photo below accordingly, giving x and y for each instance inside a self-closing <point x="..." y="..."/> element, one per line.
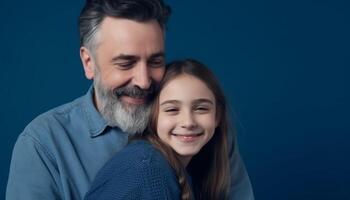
<point x="138" y="40"/>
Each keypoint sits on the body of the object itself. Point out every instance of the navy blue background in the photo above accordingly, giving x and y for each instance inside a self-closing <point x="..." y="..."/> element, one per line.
<point x="284" y="67"/>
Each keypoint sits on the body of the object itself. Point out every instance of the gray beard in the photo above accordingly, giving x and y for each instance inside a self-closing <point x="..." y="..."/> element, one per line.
<point x="131" y="119"/>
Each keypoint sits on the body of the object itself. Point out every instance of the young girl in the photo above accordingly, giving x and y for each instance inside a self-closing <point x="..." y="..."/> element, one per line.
<point x="184" y="153"/>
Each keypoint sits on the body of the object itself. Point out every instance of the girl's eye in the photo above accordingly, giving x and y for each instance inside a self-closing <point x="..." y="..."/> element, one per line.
<point x="201" y="109"/>
<point x="171" y="110"/>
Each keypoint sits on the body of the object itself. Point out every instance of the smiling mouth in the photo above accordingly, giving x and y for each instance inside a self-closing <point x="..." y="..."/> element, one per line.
<point x="132" y="100"/>
<point x="187" y="138"/>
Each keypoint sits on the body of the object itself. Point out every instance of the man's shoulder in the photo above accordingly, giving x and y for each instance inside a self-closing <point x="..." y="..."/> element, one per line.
<point x="48" y="122"/>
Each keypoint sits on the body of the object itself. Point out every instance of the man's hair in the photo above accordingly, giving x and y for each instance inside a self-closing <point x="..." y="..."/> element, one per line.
<point x="95" y="11"/>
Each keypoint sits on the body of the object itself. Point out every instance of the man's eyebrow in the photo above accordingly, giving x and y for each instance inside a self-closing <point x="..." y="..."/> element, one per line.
<point x="124" y="57"/>
<point x="156" y="55"/>
<point x="170" y="102"/>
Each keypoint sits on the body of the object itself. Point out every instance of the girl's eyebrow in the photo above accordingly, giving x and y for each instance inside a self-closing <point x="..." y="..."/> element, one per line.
<point x="170" y="102"/>
<point x="203" y="100"/>
<point x="196" y="101"/>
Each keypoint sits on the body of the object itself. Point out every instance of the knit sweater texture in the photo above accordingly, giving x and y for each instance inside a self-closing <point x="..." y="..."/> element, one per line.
<point x="139" y="171"/>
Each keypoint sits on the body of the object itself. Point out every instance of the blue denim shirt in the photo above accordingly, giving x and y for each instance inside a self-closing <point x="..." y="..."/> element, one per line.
<point x="59" y="153"/>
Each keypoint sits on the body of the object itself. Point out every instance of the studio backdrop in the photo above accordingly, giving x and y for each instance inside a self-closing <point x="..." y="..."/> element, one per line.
<point x="284" y="66"/>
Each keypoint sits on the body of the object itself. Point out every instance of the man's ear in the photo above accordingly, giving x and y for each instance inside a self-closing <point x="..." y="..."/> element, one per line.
<point x="88" y="62"/>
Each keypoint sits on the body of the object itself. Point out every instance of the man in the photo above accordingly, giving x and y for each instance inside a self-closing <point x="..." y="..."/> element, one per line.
<point x="122" y="49"/>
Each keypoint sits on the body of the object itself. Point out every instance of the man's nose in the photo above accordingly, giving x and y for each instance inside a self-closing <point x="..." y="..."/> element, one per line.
<point x="142" y="77"/>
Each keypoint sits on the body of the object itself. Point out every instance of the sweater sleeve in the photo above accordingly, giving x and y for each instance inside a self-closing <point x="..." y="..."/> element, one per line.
<point x="160" y="181"/>
<point x="136" y="173"/>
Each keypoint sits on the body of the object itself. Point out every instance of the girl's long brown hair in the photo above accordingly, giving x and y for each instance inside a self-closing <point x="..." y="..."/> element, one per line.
<point x="209" y="169"/>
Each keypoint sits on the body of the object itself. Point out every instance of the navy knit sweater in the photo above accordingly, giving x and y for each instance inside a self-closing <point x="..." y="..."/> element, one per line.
<point x="139" y="171"/>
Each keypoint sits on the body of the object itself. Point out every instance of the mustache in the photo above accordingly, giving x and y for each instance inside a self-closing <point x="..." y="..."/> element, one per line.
<point x="136" y="92"/>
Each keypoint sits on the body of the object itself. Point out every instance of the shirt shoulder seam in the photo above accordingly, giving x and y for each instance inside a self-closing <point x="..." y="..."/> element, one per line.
<point x="39" y="145"/>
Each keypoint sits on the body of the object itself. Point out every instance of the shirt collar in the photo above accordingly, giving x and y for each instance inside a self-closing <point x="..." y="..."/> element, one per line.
<point x="96" y="123"/>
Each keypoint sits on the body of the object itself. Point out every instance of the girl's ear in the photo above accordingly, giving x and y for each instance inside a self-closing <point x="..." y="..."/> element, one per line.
<point x="88" y="63"/>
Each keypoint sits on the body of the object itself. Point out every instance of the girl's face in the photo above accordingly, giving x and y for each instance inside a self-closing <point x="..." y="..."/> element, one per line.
<point x="187" y="115"/>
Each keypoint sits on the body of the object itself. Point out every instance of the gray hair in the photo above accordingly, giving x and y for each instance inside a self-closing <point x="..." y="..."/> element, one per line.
<point x="95" y="11"/>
